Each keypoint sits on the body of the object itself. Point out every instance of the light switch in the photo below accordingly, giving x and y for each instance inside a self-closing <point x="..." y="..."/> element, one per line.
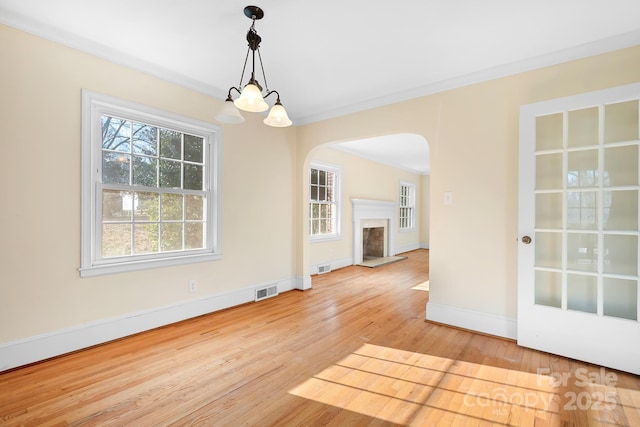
<point x="448" y="198"/>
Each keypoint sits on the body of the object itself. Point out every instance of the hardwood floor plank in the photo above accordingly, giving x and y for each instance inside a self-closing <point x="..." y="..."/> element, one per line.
<point x="353" y="350"/>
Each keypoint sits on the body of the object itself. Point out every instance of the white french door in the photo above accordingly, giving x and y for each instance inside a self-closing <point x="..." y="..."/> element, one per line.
<point x="578" y="250"/>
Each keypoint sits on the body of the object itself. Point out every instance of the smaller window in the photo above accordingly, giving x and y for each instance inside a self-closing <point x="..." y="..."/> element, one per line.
<point x="324" y="201"/>
<point x="407" y="206"/>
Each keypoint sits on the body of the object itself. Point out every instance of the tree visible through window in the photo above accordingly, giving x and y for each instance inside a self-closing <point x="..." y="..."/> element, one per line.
<point x="164" y="209"/>
<point x="151" y="194"/>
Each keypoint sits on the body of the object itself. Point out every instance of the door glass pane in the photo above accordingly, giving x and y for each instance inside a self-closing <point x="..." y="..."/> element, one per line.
<point x="621" y="254"/>
<point x="582" y="293"/>
<point x="549" y="132"/>
<point x="581" y="210"/>
<point x="621" y="165"/>
<point x="621" y="210"/>
<point x="621" y="121"/>
<point x="583" y="127"/>
<point x="548" y="250"/>
<point x="583" y="168"/>
<point x="549" y="172"/>
<point x="587" y="210"/>
<point x="548" y="288"/>
<point x="549" y="210"/>
<point x="620" y="298"/>
<point x="582" y="252"/>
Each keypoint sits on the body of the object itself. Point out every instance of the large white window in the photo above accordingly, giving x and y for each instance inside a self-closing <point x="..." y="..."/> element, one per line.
<point x="150" y="187"/>
<point x="324" y="201"/>
<point x="407" y="216"/>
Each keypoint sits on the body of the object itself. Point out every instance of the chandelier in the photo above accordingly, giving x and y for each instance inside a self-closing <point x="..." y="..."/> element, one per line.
<point x="251" y="98"/>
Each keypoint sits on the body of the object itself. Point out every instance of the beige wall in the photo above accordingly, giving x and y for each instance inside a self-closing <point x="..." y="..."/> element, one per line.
<point x="40" y="290"/>
<point x="473" y="140"/>
<point x="364" y="179"/>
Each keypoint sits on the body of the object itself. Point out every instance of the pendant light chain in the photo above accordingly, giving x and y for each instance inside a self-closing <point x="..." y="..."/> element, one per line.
<point x="244" y="67"/>
<point x="264" y="76"/>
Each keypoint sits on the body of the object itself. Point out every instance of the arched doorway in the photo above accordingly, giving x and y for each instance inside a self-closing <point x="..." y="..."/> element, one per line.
<point x="372" y="168"/>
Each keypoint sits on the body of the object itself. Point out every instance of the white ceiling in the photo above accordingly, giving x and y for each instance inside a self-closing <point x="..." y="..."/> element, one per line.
<point x="331" y="57"/>
<point x="407" y="151"/>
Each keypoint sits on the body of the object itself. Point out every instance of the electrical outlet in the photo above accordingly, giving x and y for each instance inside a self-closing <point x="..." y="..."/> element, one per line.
<point x="193" y="286"/>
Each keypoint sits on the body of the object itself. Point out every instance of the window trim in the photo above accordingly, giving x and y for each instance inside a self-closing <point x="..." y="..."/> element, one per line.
<point x="94" y="105"/>
<point x="337" y="170"/>
<point x="412" y="205"/>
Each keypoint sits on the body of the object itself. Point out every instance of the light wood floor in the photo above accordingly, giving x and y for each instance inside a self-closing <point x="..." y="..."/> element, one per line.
<point x="354" y="350"/>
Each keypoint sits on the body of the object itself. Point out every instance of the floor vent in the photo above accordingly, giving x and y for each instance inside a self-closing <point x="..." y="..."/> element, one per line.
<point x="267" y="292"/>
<point x="324" y="268"/>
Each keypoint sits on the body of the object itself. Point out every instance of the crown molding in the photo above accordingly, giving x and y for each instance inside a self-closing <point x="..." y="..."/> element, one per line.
<point x="101" y="51"/>
<point x="96" y="49"/>
<point x="598" y="47"/>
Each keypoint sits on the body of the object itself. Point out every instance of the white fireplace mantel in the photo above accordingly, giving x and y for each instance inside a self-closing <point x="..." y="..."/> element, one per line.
<point x="362" y="210"/>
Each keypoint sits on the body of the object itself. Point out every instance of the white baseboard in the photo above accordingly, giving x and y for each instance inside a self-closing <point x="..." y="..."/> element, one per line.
<point x="405" y="248"/>
<point x="335" y="264"/>
<point x="473" y="320"/>
<point x="424" y="245"/>
<point x="346" y="262"/>
<point x="40" y="347"/>
<point x="303" y="283"/>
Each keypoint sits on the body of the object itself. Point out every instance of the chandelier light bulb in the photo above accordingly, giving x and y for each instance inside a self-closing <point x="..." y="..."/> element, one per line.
<point x="229" y="113"/>
<point x="278" y="117"/>
<point x="251" y="100"/>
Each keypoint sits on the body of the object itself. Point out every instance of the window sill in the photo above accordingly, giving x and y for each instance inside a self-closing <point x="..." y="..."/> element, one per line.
<point x="406" y="230"/>
<point x="325" y="238"/>
<point x="137" y="265"/>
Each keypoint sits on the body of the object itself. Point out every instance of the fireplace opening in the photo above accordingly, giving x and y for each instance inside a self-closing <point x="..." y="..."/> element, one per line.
<point x="373" y="243"/>
<point x="376" y="214"/>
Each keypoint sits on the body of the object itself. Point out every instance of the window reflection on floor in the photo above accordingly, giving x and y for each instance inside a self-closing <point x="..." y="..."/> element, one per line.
<point x="409" y="388"/>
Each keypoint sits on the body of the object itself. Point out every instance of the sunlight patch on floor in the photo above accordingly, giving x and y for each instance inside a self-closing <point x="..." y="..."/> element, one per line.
<point x="411" y="388"/>
<point x="424" y="286"/>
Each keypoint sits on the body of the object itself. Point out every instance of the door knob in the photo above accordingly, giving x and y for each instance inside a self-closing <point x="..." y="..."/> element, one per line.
<point x="526" y="240"/>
